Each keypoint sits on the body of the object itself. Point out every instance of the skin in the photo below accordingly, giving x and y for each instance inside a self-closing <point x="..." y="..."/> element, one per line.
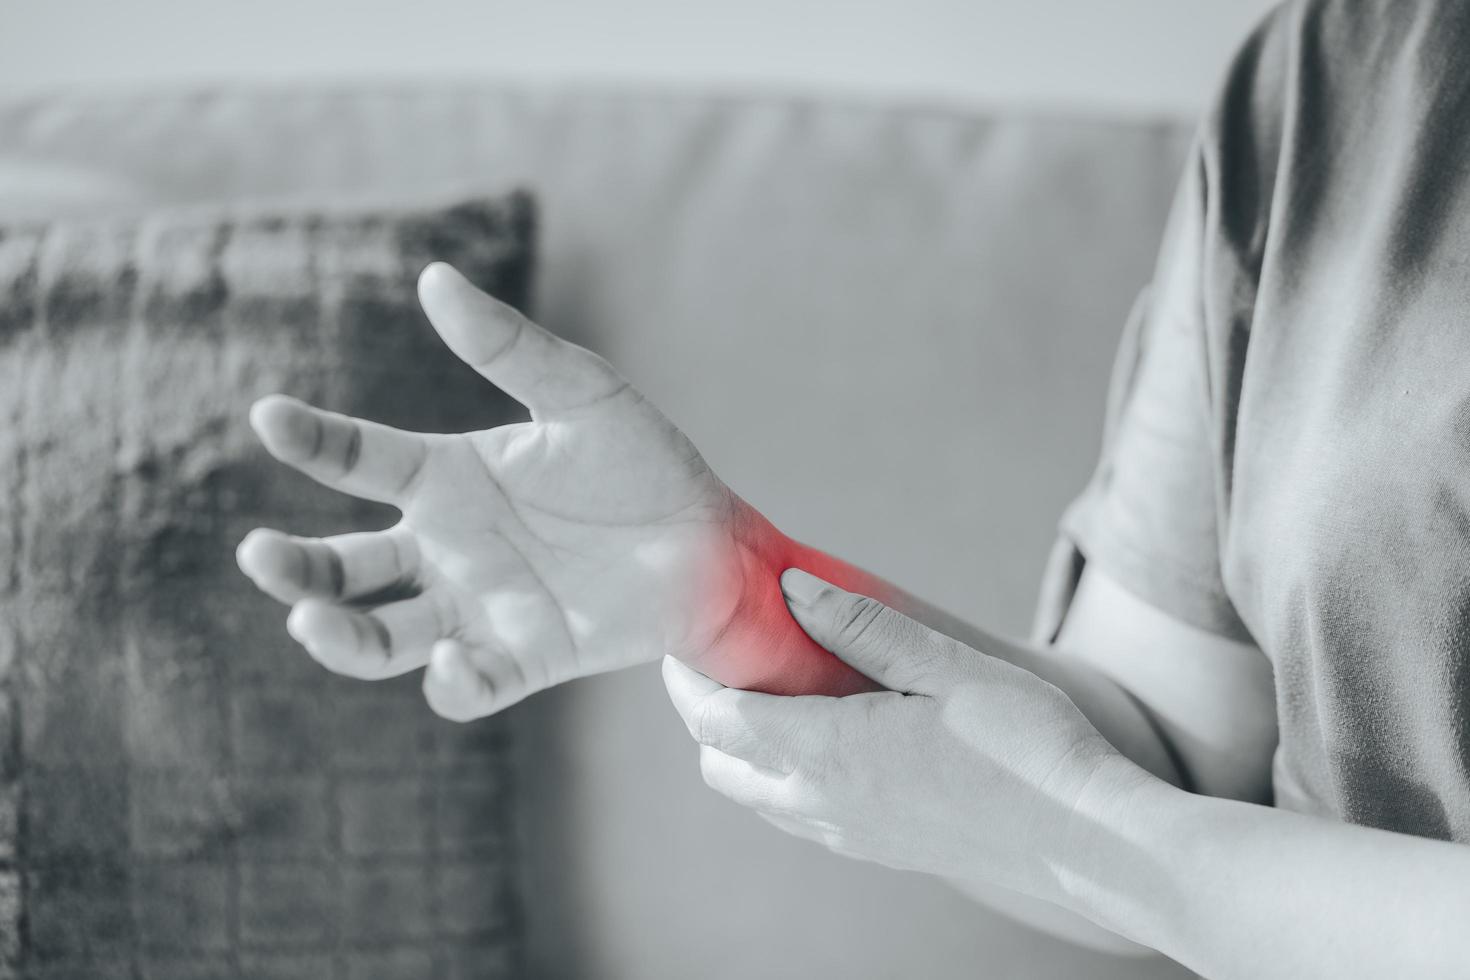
<point x="1106" y="788"/>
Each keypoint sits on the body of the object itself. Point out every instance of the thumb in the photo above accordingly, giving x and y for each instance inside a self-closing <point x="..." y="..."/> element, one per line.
<point x="885" y="645"/>
<point x="538" y="369"/>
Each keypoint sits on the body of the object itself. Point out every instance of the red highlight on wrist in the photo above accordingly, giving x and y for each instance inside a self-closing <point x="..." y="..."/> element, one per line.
<point x="762" y="648"/>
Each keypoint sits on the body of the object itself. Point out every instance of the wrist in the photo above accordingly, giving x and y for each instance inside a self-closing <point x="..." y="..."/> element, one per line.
<point x="760" y="646"/>
<point x="1111" y="865"/>
<point x="761" y="544"/>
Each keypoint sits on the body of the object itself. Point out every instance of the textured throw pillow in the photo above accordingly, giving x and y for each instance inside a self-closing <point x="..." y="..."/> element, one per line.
<point x="183" y="793"/>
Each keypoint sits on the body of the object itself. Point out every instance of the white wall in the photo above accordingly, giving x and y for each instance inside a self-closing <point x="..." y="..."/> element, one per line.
<point x="1134" y="56"/>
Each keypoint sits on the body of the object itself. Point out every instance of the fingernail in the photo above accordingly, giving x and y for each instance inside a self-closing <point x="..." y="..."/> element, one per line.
<point x="801" y="587"/>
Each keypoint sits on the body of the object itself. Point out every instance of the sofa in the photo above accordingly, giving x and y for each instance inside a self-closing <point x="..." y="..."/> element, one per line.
<point x="888" y="326"/>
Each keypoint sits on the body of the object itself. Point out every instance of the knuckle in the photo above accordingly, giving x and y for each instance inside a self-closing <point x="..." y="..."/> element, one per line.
<point x="334" y="570"/>
<point x="402" y="550"/>
<point x="352" y="452"/>
<point x="712" y="718"/>
<point x="519" y="325"/>
<point x="932" y="655"/>
<point x="858" y="620"/>
<point x="318" y="432"/>
<point x="374" y="638"/>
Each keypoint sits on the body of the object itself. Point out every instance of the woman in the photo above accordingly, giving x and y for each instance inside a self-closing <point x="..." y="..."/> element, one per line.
<point x="1277" y="539"/>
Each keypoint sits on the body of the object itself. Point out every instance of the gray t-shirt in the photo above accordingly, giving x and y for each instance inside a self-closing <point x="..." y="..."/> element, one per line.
<point x="1287" y="457"/>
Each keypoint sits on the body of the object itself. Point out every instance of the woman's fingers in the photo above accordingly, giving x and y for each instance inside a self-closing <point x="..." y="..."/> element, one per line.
<point x="461" y="683"/>
<point x="384" y="642"/>
<point x="362" y="458"/>
<point x="538" y="369"/>
<point x="762" y="729"/>
<point x="745" y="782"/>
<point x="464" y="683"/>
<point x="347" y="567"/>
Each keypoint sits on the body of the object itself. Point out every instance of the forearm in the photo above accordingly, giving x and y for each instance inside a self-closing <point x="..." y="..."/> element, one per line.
<point x="1115" y="714"/>
<point x="1113" y="711"/>
<point x="1239" y="890"/>
<point x="1050" y="918"/>
<point x="1120" y="720"/>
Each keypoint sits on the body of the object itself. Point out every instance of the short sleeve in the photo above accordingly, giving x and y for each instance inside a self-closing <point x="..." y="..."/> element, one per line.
<point x="1149" y="516"/>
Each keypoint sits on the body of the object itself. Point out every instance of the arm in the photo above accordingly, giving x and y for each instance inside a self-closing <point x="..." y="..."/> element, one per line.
<point x="1192" y="708"/>
<point x="969" y="767"/>
<point x="1239" y="890"/>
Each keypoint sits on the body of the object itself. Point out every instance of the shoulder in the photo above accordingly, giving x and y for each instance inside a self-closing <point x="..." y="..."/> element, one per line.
<point x="1309" y="61"/>
<point x="1347" y="41"/>
<point x="1325" y="95"/>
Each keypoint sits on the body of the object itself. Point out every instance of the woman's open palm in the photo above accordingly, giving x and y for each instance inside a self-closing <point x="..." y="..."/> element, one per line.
<point x="590" y="538"/>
